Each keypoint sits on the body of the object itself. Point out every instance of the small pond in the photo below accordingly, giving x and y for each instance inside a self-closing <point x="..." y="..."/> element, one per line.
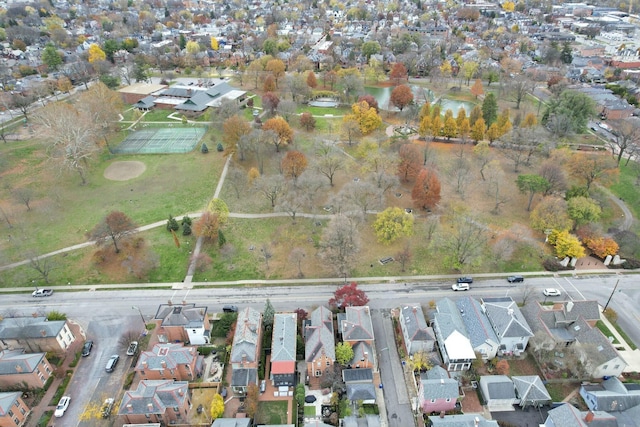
<point x="420" y="95"/>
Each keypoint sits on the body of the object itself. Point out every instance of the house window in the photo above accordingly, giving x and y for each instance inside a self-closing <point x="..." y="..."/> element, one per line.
<point x="318" y="373"/>
<point x="141" y="372"/>
<point x="10" y="412"/>
<point x="176" y="409"/>
<point x="16" y="404"/>
<point x="448" y="399"/>
<point x="433" y="401"/>
<point x="23" y="411"/>
<point x="147" y="416"/>
<point x="605" y="366"/>
<point x="16" y="421"/>
<point x="616" y="367"/>
<point x="328" y="363"/>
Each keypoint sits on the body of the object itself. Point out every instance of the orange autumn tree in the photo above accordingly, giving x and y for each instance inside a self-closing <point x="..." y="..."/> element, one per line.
<point x="601" y="246"/>
<point x="284" y="133"/>
<point x="426" y="190"/>
<point x="477" y="88"/>
<point x="293" y="164"/>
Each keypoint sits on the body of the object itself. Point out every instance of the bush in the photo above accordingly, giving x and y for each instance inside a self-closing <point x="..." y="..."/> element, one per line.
<point x="172" y="224"/>
<point x="128" y="381"/>
<point x="611" y="315"/>
<point x="552" y="264"/>
<point x="76" y="359"/>
<point x="186" y="230"/>
<point x="205" y="351"/>
<point x="220" y="147"/>
<point x="204" y="149"/>
<point x="631" y="264"/>
<point x="186" y="220"/>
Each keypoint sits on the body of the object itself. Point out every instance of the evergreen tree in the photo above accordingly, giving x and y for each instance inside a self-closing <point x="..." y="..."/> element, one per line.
<point x="267" y="314"/>
<point x="490" y="109"/>
<point x="566" y="56"/>
<point x="172" y="224"/>
<point x="204" y="149"/>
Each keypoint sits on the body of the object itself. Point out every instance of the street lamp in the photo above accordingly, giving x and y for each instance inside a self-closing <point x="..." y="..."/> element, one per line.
<point x="144" y="324"/>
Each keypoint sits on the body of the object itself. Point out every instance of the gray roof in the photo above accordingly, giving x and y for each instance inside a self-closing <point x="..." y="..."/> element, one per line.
<point x="185" y="315"/>
<point x="463" y="420"/>
<point x="154" y="397"/>
<point x="438" y="385"/>
<point x="435" y="373"/>
<point x="30" y="327"/>
<point x="476" y="322"/>
<point x="316" y="423"/>
<point x="231" y="422"/>
<point x="283" y="344"/>
<point x="146" y="102"/>
<point x="357" y="325"/>
<point x="7" y="400"/>
<point x="17" y="361"/>
<point x="530" y="388"/>
<point x="319" y="335"/>
<point x="359" y="350"/>
<point x="449" y="319"/>
<point x="506" y="318"/>
<point x="247" y="336"/>
<point x="592" y="337"/>
<point x="170" y="354"/>
<point x="415" y="323"/>
<point x="357" y="375"/>
<point x="614" y="395"/>
<point x="568" y="416"/>
<point x="197" y="102"/>
<point x="361" y="392"/>
<point x="242" y="377"/>
<point x="497" y="387"/>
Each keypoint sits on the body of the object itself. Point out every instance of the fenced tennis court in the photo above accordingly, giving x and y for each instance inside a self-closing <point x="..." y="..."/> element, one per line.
<point x="163" y="140"/>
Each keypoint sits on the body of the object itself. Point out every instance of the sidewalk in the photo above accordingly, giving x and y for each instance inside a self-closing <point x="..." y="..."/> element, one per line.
<point x="632" y="357"/>
<point x="39" y="410"/>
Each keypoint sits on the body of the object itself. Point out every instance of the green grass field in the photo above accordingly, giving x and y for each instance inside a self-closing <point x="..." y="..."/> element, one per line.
<point x="274" y="412"/>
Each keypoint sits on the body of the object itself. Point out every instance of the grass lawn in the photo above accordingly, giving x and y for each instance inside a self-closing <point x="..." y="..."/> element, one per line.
<point x="558" y="391"/>
<point x="309" y="411"/>
<point x="274" y="412"/>
<point x="627" y="187"/>
<point x="606" y="332"/>
<point x="201" y="396"/>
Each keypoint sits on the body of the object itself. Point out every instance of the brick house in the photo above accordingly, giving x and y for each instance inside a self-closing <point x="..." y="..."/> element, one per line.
<point x="185" y="322"/>
<point x="161" y="401"/>
<point x="13" y="410"/>
<point x="283" y="349"/>
<point x="437" y="392"/>
<point x="169" y="361"/>
<point x="245" y="351"/>
<point x="24" y="370"/>
<point x="356" y="329"/>
<point x="36" y="334"/>
<point x="319" y="338"/>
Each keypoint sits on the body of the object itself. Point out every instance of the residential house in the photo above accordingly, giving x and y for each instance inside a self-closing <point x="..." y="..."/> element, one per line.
<point x="356" y="329"/>
<point x="161" y="401"/>
<point x="319" y="339"/>
<point x="36" y="334"/>
<point x="461" y="420"/>
<point x="572" y="323"/>
<point x="451" y="335"/>
<point x="231" y="422"/>
<point x="499" y="392"/>
<point x="368" y="420"/>
<point x="283" y="350"/>
<point x="437" y="392"/>
<point x="569" y="416"/>
<point x="483" y="338"/>
<point x="187" y="323"/>
<point x="418" y="336"/>
<point x="245" y="350"/>
<point x="23" y="370"/>
<point x="169" y="361"/>
<point x="611" y="395"/>
<point x="511" y="327"/>
<point x="13" y="410"/>
<point x="359" y="383"/>
<point x="530" y="391"/>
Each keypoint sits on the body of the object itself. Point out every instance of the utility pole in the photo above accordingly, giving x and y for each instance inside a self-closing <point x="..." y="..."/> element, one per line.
<point x="610" y="296"/>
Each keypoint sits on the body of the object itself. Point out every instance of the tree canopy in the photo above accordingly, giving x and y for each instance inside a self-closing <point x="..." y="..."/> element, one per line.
<point x="391" y="224"/>
<point x="348" y="296"/>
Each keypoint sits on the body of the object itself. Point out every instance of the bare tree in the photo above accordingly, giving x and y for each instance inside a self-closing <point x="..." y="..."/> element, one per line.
<point x="521" y="144"/>
<point x="520" y="86"/>
<point x="340" y="243"/>
<point x="266" y="253"/>
<point x="527" y="291"/>
<point x="364" y="196"/>
<point x="460" y="172"/>
<point x="627" y="135"/>
<point x="22" y="102"/>
<point x="404" y="257"/>
<point x="310" y="182"/>
<point x="270" y="187"/>
<point x="127" y="338"/>
<point x="329" y="161"/>
<point x="114" y="227"/>
<point x="555" y="176"/>
<point x="495" y="185"/>
<point x="296" y="256"/>
<point x="465" y="242"/>
<point x="236" y="179"/>
<point x="292" y="201"/>
<point x="24" y="195"/>
<point x="43" y="266"/>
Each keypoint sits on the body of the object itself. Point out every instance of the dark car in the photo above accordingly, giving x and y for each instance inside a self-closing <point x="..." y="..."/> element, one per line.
<point x="465" y="279"/>
<point x="229" y="309"/>
<point x="515" y="279"/>
<point x="86" y="348"/>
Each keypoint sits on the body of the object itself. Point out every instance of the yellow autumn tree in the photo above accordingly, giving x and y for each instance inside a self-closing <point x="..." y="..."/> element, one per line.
<point x="214" y="43"/>
<point x="367" y="117"/>
<point x="217" y="406"/>
<point x="477" y="130"/>
<point x="508" y="6"/>
<point x="566" y="244"/>
<point x="96" y="54"/>
<point x="424" y="129"/>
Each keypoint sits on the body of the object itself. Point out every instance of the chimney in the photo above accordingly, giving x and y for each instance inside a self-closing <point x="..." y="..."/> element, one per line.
<point x="441" y="381"/>
<point x="441" y="414"/>
<point x="589" y="417"/>
<point x="180" y="392"/>
<point x="129" y="407"/>
<point x="144" y="364"/>
<point x="19" y="369"/>
<point x="43" y="333"/>
<point x="149" y="407"/>
<point x="163" y="363"/>
<point x="476" y="421"/>
<point x="510" y="312"/>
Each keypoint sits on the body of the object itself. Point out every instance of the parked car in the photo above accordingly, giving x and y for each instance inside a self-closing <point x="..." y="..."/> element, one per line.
<point x="551" y="292"/>
<point x="229" y="309"/>
<point x="460" y="286"/>
<point x="107" y="406"/>
<point x="63" y="404"/>
<point x="263" y="386"/>
<point x="42" y="293"/>
<point x="111" y="364"/>
<point x="133" y="347"/>
<point x="515" y="279"/>
<point x="86" y="348"/>
<point x="465" y="279"/>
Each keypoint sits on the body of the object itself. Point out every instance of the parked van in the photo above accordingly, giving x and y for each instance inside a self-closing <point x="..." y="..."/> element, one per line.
<point x="460" y="286"/>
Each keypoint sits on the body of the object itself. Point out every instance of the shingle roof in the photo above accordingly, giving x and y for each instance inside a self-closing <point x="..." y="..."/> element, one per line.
<point x="17" y="361"/>
<point x="415" y="323"/>
<point x="357" y="375"/>
<point x="171" y="354"/>
<point x="30" y="327"/>
<point x="592" y="337"/>
<point x="357" y="325"/>
<point x="185" y="315"/>
<point x="463" y="420"/>
<point x="506" y="318"/>
<point x="283" y="344"/>
<point x="437" y="386"/>
<point x="319" y="336"/>
<point x="7" y="400"/>
<point x="497" y="387"/>
<point x="448" y="318"/>
<point x="361" y="351"/>
<point x="245" y="340"/>
<point x="242" y="377"/>
<point x="154" y="397"/>
<point x="613" y="395"/>
<point x="568" y="416"/>
<point x="231" y="422"/>
<point x="361" y="392"/>
<point x="530" y="388"/>
<point x="476" y="322"/>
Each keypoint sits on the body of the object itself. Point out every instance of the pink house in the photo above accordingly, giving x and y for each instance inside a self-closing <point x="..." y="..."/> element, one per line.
<point x="437" y="392"/>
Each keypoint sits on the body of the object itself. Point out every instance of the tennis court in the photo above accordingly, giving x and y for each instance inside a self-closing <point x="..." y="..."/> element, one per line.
<point x="163" y="140"/>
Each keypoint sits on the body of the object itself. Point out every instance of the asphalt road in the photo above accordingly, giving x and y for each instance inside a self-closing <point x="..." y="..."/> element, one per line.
<point x="106" y="315"/>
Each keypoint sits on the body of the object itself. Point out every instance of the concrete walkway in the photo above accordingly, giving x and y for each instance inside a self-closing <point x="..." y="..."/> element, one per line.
<point x="631" y="356"/>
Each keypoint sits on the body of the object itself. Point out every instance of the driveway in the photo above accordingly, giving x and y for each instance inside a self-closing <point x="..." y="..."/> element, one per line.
<point x="396" y="397"/>
<point x="530" y="417"/>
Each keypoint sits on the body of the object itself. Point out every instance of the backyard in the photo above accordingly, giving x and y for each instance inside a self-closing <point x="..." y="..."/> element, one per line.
<point x="272" y="412"/>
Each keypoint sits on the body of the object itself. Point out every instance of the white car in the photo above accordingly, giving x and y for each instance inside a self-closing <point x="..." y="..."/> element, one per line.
<point x="42" y="293"/>
<point x="551" y="292"/>
<point x="460" y="286"/>
<point x="62" y="406"/>
<point x="133" y="347"/>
